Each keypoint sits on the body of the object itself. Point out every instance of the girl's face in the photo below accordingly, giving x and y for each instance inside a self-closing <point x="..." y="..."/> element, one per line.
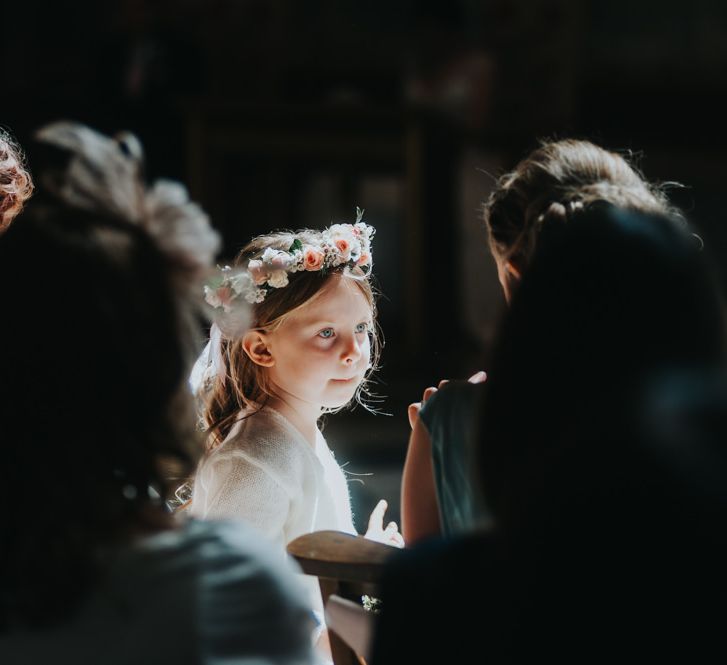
<point x="322" y="350"/>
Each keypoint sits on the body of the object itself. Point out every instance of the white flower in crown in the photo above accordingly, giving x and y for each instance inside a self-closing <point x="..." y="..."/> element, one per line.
<point x="341" y="244"/>
<point x="221" y="291"/>
<point x="242" y="283"/>
<point x="363" y="232"/>
<point x="256" y="296"/>
<point x="211" y="297"/>
<point x="276" y="260"/>
<point x="220" y="298"/>
<point x="297" y="260"/>
<point x="278" y="279"/>
<point x="356" y="251"/>
<point x="258" y="272"/>
<point x="330" y="253"/>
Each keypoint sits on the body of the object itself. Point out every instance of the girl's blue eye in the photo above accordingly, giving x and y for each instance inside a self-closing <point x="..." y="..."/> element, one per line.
<point x="362" y="327"/>
<point x="326" y="333"/>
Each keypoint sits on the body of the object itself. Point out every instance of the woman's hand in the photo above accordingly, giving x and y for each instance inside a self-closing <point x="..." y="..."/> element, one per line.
<point x="415" y="407"/>
<point x="376" y="531"/>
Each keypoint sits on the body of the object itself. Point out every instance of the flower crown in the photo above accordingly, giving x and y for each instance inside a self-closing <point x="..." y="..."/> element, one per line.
<point x="346" y="245"/>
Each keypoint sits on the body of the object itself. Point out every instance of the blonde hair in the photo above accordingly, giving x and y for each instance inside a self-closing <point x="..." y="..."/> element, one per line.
<point x="245" y="385"/>
<point x="552" y="182"/>
<point x="16" y="185"/>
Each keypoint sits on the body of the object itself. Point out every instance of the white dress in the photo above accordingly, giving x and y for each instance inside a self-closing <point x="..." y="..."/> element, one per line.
<point x="267" y="474"/>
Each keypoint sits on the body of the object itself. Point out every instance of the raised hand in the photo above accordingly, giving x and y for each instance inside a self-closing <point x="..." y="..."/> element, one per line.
<point x="376" y="531"/>
<point x="415" y="407"/>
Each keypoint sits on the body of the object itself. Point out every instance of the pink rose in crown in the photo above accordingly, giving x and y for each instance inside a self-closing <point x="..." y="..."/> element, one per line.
<point x="257" y="271"/>
<point x="364" y="259"/>
<point x="344" y="247"/>
<point x="312" y="258"/>
<point x="225" y="296"/>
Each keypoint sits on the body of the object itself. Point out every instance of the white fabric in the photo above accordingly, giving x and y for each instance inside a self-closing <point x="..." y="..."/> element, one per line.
<point x="208" y="365"/>
<point x="205" y="594"/>
<point x="200" y="370"/>
<point x="267" y="474"/>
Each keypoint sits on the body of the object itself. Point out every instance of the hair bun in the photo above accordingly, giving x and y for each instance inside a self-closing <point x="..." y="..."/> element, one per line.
<point x="130" y="146"/>
<point x="556" y="211"/>
<point x="553" y="220"/>
<point x="104" y="175"/>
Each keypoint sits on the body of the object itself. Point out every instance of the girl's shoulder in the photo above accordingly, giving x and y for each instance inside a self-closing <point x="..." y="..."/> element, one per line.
<point x="267" y="437"/>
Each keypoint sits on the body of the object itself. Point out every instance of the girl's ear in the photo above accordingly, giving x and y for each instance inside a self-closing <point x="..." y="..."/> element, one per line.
<point x="255" y="345"/>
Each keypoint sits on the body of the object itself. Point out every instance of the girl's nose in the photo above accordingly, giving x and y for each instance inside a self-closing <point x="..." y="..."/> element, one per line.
<point x="352" y="351"/>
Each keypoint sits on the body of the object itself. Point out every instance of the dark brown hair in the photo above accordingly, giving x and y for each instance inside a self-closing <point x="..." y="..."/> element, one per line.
<point x="555" y="180"/>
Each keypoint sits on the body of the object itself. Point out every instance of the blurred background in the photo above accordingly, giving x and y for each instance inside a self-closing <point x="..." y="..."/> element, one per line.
<point x="281" y="114"/>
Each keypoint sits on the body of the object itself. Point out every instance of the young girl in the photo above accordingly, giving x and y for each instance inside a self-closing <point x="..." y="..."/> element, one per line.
<point x="310" y="349"/>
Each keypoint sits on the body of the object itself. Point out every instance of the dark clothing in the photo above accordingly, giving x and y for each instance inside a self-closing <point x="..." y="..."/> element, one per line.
<point x="450" y="416"/>
<point x="462" y="601"/>
<point x="617" y="554"/>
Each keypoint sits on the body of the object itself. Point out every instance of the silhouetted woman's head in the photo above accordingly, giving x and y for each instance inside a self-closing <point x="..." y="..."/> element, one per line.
<point x="95" y="350"/>
<point x="549" y="186"/>
<point x="611" y="302"/>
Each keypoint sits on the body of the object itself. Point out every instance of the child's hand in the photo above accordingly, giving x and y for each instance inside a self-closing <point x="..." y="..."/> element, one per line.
<point x="376" y="531"/>
<point x="415" y="407"/>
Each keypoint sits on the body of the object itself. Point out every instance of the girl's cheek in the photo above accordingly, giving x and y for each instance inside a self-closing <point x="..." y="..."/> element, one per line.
<point x="366" y="350"/>
<point x="320" y="345"/>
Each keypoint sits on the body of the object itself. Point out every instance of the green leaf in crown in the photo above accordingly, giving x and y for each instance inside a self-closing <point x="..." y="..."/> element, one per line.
<point x="296" y="246"/>
<point x="215" y="281"/>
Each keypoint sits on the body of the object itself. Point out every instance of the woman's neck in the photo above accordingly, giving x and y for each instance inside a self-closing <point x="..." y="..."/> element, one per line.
<point x="302" y="415"/>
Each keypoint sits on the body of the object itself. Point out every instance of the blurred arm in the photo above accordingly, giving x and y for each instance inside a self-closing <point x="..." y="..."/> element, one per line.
<point x="419" y="506"/>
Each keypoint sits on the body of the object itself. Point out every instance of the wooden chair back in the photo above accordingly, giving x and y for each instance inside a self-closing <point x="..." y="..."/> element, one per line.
<point x="346" y="565"/>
